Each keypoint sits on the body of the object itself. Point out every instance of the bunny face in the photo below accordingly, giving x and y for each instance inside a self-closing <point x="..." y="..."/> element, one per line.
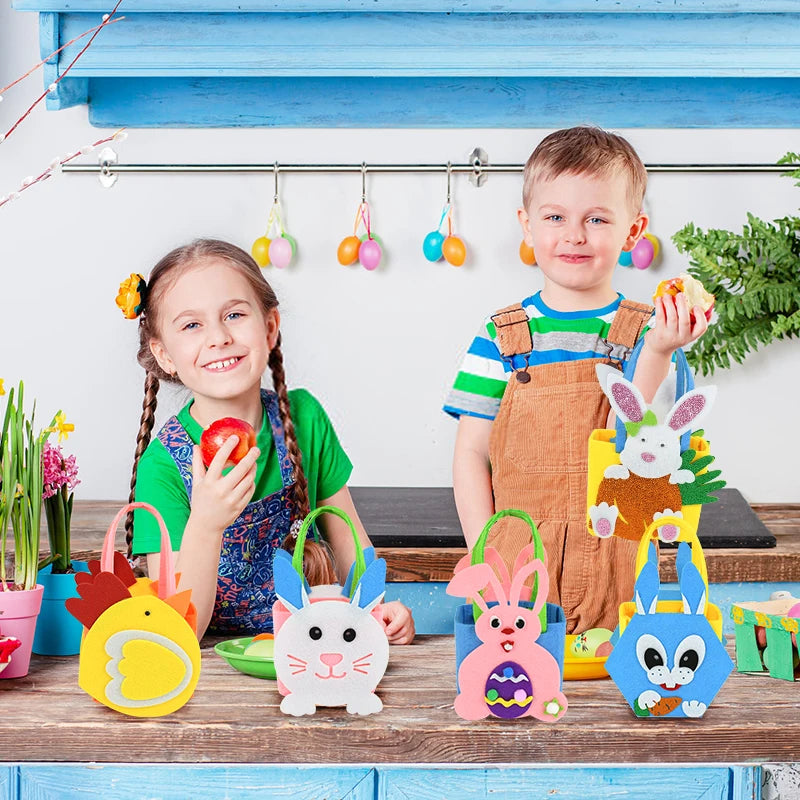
<point x="654" y="451"/>
<point x="504" y="626"/>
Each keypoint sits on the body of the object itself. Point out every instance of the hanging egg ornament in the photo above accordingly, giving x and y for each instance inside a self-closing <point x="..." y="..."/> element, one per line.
<point x="656" y="245"/>
<point x="432" y="246"/>
<point x="642" y="253"/>
<point x="260" y="251"/>
<point x="292" y="242"/>
<point x="625" y="259"/>
<point x="526" y="254"/>
<point x="454" y="251"/>
<point x="280" y="252"/>
<point x="369" y="253"/>
<point x="348" y="250"/>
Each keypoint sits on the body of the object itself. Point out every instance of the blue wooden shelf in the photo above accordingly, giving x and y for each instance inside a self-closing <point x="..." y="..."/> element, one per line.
<point x="429" y="63"/>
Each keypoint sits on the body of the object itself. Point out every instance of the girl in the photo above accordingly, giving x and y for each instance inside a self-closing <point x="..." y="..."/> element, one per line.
<point x="209" y="321"/>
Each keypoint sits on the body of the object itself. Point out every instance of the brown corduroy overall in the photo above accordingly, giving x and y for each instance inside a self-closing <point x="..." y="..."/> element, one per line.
<point x="539" y="458"/>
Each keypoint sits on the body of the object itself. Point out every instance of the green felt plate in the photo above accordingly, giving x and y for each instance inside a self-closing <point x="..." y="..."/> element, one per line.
<point x="232" y="651"/>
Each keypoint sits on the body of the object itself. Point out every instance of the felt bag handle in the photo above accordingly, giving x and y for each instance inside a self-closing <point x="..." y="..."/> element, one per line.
<point x="166" y="581"/>
<point x="684" y="383"/>
<point x="689" y="535"/>
<point x="297" y="557"/>
<point x="479" y="553"/>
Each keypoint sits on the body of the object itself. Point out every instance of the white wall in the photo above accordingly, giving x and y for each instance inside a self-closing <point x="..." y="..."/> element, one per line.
<point x="378" y="349"/>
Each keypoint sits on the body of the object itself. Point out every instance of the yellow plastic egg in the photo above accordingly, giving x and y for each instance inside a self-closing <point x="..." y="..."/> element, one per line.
<point x="348" y="250"/>
<point x="260" y="251"/>
<point x="656" y="244"/>
<point x="526" y="254"/>
<point x="454" y="251"/>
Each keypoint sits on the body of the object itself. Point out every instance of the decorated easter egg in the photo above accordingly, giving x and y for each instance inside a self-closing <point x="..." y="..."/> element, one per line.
<point x="509" y="691"/>
<point x="369" y="254"/>
<point x="348" y="250"/>
<point x="586" y="644"/>
<point x="643" y="253"/>
<point x="526" y="254"/>
<point x="625" y="259"/>
<point x="454" y="251"/>
<point x="280" y="252"/>
<point x="260" y="251"/>
<point x="432" y="246"/>
<point x="656" y="244"/>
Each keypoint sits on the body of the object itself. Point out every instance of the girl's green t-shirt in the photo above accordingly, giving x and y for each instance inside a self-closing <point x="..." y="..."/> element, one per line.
<point x="158" y="482"/>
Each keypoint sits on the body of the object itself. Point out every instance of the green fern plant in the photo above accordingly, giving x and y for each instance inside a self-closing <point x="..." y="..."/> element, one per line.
<point x="755" y="278"/>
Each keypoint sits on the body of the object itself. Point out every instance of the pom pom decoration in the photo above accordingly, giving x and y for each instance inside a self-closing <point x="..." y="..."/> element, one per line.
<point x="275" y="247"/>
<point x="526" y="254"/>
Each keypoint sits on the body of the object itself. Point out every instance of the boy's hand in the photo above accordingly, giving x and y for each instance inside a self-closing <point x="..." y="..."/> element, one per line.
<point x="217" y="499"/>
<point x="674" y="328"/>
<point x="399" y="623"/>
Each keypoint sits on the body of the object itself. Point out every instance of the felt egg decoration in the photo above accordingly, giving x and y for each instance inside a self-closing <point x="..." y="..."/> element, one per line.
<point x="369" y="254"/>
<point x="432" y="246"/>
<point x="625" y="259"/>
<point x="260" y="251"/>
<point x="509" y="691"/>
<point x="643" y="253"/>
<point x="526" y="254"/>
<point x="454" y="251"/>
<point x="348" y="250"/>
<point x="280" y="252"/>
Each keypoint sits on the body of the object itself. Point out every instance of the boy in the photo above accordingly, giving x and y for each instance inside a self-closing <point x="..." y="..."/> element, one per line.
<point x="582" y="198"/>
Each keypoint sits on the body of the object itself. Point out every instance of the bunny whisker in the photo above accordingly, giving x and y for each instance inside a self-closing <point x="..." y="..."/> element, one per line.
<point x="362" y="671"/>
<point x="362" y="658"/>
<point x="296" y="658"/>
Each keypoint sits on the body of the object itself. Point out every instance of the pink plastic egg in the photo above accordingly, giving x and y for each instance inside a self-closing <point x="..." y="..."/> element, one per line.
<point x="369" y="254"/>
<point x="642" y="254"/>
<point x="280" y="252"/>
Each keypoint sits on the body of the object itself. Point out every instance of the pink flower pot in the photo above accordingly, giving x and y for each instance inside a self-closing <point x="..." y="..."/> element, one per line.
<point x="18" y="613"/>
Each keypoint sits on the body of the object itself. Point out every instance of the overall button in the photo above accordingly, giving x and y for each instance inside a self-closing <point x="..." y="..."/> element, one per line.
<point x="523" y="376"/>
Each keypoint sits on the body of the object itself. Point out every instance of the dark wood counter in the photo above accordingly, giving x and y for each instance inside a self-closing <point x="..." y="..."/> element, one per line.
<point x="235" y="718"/>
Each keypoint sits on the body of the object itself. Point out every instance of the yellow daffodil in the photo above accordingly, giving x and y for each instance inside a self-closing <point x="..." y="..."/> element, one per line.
<point x="2" y="388"/>
<point x="62" y="427"/>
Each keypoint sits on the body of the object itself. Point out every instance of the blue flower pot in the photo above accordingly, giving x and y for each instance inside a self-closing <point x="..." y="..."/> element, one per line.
<point x="58" y="633"/>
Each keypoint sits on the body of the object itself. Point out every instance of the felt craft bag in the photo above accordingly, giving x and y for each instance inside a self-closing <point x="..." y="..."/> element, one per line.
<point x="670" y="659"/>
<point x="636" y="498"/>
<point x="552" y="618"/>
<point x="331" y="647"/>
<point x="139" y="654"/>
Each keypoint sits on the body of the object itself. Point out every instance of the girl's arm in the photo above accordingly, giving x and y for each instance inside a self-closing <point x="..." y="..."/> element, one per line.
<point x="398" y="619"/>
<point x="217" y="500"/>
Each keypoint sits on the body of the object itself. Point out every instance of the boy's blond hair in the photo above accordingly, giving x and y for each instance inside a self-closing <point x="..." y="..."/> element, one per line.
<point x="585" y="150"/>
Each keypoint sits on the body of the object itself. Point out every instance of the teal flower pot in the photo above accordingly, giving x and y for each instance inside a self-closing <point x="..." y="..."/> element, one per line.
<point x="58" y="633"/>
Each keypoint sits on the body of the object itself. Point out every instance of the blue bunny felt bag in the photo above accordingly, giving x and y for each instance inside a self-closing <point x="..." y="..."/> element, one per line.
<point x="669" y="660"/>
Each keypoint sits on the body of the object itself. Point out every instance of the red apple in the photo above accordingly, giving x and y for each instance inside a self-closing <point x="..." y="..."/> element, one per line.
<point x="217" y="433"/>
<point x="695" y="292"/>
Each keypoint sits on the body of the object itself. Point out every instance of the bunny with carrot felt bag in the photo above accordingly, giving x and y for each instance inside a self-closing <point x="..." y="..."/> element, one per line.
<point x="651" y="466"/>
<point x="509" y="650"/>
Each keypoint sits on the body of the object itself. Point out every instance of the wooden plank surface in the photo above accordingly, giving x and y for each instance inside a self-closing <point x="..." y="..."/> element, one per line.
<point x="778" y="564"/>
<point x="235" y="718"/>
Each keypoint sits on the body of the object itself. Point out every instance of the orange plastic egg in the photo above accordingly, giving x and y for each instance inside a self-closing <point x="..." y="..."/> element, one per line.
<point x="454" y="251"/>
<point x="260" y="251"/>
<point x="348" y="250"/>
<point x="526" y="254"/>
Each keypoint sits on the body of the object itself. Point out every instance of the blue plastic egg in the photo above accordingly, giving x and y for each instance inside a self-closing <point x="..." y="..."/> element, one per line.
<point x="625" y="259"/>
<point x="432" y="246"/>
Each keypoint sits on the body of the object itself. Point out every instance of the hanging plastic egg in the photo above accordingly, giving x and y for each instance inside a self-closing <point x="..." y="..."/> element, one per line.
<point x="369" y="253"/>
<point x="625" y="259"/>
<point x="526" y="254"/>
<point x="656" y="245"/>
<point x="260" y="251"/>
<point x="280" y="252"/>
<point x="348" y="250"/>
<point x="432" y="246"/>
<point x="642" y="253"/>
<point x="454" y="251"/>
<point x="292" y="241"/>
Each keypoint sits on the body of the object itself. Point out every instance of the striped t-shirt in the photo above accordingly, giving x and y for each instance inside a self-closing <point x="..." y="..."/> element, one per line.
<point x="557" y="336"/>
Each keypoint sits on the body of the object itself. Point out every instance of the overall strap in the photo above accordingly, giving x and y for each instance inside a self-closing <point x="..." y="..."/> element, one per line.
<point x="626" y="328"/>
<point x="270" y="401"/>
<point x="513" y="331"/>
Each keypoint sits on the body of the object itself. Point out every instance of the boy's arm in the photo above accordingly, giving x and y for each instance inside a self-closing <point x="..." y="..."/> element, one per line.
<point x="472" y="480"/>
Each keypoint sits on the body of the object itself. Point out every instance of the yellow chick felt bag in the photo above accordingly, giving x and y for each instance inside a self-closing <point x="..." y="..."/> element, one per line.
<point x="139" y="654"/>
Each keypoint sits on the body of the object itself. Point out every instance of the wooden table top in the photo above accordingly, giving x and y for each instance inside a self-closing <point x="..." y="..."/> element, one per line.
<point x="235" y="718"/>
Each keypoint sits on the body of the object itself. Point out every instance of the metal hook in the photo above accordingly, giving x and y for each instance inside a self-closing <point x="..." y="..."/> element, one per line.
<point x="275" y="169"/>
<point x="363" y="181"/>
<point x="449" y="171"/>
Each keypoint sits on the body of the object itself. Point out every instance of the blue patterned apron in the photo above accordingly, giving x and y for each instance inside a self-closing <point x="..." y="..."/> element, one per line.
<point x="245" y="587"/>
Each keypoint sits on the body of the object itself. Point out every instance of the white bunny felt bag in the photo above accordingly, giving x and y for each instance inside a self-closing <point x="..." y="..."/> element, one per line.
<point x="651" y="466"/>
<point x="332" y="649"/>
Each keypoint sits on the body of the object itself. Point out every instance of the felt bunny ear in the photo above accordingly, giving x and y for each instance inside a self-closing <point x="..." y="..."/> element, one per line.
<point x="646" y="588"/>
<point x="625" y="399"/>
<point x="665" y="395"/>
<point x="289" y="587"/>
<point x="683" y="557"/>
<point x="687" y="411"/>
<point x="370" y="589"/>
<point x="693" y="590"/>
<point x="471" y="581"/>
<point x="369" y="557"/>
